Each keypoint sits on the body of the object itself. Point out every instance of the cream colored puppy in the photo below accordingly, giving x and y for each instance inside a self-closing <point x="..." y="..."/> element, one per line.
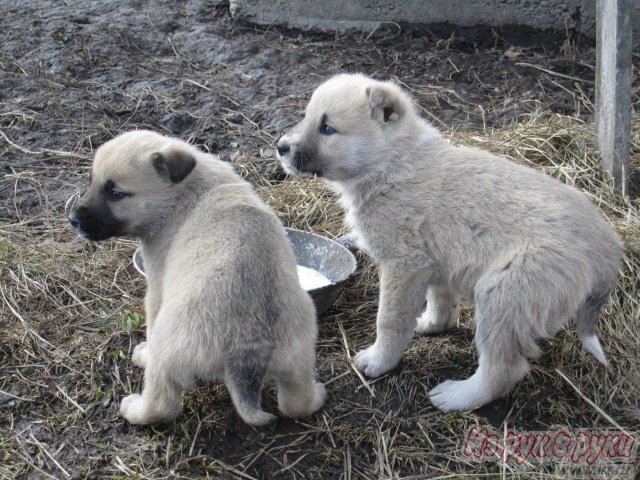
<point x="451" y="222"/>
<point x="223" y="298"/>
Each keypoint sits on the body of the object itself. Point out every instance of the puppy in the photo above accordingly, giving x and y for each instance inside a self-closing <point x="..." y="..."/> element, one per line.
<point x="223" y="298"/>
<point x="527" y="250"/>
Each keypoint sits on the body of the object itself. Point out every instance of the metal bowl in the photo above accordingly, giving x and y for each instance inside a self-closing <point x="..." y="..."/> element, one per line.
<point x="327" y="257"/>
<point x="312" y="251"/>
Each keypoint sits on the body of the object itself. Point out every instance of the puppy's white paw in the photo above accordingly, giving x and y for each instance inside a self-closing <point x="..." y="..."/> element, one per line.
<point x="259" y="418"/>
<point x="374" y="363"/>
<point x="428" y="326"/>
<point x="134" y="409"/>
<point x="139" y="357"/>
<point x="459" y="395"/>
<point x="319" y="397"/>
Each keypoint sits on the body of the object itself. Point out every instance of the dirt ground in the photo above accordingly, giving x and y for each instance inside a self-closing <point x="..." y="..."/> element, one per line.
<point x="75" y="73"/>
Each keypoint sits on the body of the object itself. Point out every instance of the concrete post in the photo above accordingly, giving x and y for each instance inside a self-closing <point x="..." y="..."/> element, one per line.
<point x="613" y="89"/>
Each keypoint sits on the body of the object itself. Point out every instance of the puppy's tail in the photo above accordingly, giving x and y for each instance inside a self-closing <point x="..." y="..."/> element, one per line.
<point x="586" y="320"/>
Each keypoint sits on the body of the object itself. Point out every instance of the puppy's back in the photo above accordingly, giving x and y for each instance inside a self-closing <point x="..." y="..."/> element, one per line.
<point x="478" y="186"/>
<point x="238" y="257"/>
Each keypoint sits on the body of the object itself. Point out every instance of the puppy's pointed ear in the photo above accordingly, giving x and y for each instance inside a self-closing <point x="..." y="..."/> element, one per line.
<point x="386" y="105"/>
<point x="174" y="165"/>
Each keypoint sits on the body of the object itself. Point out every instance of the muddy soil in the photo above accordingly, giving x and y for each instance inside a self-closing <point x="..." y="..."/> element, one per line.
<point x="76" y="73"/>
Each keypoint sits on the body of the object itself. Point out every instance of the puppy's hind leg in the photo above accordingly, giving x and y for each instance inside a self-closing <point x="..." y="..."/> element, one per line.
<point x="245" y="370"/>
<point x="441" y="313"/>
<point x="501" y="348"/>
<point x="494" y="378"/>
<point x="299" y="395"/>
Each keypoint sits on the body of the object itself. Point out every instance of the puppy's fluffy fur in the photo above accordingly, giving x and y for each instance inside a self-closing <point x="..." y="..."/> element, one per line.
<point x="223" y="297"/>
<point x="527" y="250"/>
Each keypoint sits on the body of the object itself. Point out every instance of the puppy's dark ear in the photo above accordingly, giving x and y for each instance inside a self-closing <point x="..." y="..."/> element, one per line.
<point x="174" y="165"/>
<point x="386" y="104"/>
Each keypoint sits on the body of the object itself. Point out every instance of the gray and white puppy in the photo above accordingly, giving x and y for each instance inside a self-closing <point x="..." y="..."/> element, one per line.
<point x="451" y="222"/>
<point x="223" y="298"/>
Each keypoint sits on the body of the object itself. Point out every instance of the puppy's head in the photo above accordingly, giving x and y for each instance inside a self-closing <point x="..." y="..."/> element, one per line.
<point x="352" y="124"/>
<point x="136" y="179"/>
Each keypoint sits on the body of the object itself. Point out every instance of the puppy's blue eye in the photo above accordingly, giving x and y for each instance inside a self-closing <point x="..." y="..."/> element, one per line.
<point x="115" y="195"/>
<point x="327" y="130"/>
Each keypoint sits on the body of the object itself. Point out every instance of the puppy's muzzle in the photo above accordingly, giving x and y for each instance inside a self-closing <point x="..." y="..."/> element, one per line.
<point x="295" y="160"/>
<point x="94" y="226"/>
<point x="78" y="219"/>
<point x="85" y="224"/>
<point x="75" y="221"/>
<point x="283" y="148"/>
<point x="288" y="158"/>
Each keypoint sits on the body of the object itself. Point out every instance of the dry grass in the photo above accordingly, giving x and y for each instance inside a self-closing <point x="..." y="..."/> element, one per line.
<point x="71" y="312"/>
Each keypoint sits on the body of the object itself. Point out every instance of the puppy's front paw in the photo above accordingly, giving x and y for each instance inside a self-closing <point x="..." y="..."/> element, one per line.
<point x="458" y="395"/>
<point x="139" y="357"/>
<point x="374" y="363"/>
<point x="134" y="409"/>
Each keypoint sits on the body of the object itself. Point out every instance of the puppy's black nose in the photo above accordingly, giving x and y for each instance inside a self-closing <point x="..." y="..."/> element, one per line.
<point x="74" y="221"/>
<point x="283" y="148"/>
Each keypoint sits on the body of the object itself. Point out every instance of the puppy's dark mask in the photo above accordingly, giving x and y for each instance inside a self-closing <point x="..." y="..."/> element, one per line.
<point x="96" y="222"/>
